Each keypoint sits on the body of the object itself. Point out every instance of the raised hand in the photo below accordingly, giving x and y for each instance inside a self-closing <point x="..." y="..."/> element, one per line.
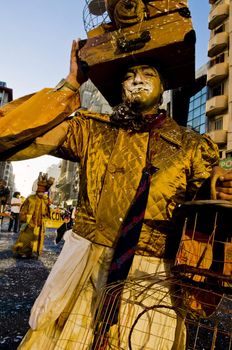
<point x="221" y="184"/>
<point x="76" y="76"/>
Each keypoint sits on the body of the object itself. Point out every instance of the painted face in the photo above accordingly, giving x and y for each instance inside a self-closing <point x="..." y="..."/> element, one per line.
<point x="40" y="194"/>
<point x="142" y="87"/>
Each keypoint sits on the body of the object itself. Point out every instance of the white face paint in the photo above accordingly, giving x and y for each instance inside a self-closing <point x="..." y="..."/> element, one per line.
<point x="142" y="87"/>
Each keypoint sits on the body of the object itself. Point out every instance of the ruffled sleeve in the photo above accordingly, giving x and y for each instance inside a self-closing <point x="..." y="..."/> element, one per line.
<point x="27" y="118"/>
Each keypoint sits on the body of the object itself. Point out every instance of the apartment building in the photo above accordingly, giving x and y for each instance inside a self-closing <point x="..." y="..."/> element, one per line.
<point x="6" y="169"/>
<point x="197" y="103"/>
<point x="219" y="76"/>
<point x="6" y="94"/>
<point x="67" y="183"/>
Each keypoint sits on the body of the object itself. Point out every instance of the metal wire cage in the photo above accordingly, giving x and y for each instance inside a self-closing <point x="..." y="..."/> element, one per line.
<point x="156" y="307"/>
<point x="94" y="14"/>
<point x="98" y="12"/>
<point x="205" y="251"/>
<point x="196" y="298"/>
<point x="153" y="315"/>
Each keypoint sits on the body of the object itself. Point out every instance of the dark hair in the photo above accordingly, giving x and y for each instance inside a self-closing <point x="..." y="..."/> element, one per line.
<point x="3" y="182"/>
<point x="15" y="194"/>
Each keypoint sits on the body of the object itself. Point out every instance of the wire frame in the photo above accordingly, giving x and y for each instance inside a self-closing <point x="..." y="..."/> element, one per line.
<point x="94" y="14"/>
<point x="146" y="313"/>
<point x="205" y="250"/>
<point x="156" y="310"/>
<point x="157" y="304"/>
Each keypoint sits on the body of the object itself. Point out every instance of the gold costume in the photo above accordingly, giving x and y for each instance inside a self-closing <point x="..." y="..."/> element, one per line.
<point x="33" y="213"/>
<point x="111" y="162"/>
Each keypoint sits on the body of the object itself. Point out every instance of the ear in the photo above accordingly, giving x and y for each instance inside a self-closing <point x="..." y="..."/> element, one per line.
<point x="161" y="88"/>
<point x="161" y="93"/>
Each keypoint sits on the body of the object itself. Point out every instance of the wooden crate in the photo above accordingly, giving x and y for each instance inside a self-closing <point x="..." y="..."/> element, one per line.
<point x="152" y="8"/>
<point x="167" y="41"/>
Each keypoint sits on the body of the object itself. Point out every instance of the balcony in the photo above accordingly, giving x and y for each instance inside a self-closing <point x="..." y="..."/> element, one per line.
<point x="218" y="136"/>
<point x="218" y="15"/>
<point x="218" y="43"/>
<point x="216" y="105"/>
<point x="217" y="73"/>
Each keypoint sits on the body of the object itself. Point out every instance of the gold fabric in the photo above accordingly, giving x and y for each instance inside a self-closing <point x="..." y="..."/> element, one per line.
<point x="159" y="328"/>
<point x="31" y="237"/>
<point x="111" y="166"/>
<point x="24" y="119"/>
<point x="111" y="161"/>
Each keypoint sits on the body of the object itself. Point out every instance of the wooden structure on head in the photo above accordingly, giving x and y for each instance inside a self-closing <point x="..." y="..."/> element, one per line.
<point x="158" y="33"/>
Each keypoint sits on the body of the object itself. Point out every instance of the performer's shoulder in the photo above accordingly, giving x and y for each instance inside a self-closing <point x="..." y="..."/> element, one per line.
<point x="86" y="114"/>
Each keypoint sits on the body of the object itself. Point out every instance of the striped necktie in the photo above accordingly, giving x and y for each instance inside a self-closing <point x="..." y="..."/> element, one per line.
<point x="122" y="260"/>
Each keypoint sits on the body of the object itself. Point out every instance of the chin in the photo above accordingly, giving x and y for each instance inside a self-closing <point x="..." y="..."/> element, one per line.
<point x="139" y="103"/>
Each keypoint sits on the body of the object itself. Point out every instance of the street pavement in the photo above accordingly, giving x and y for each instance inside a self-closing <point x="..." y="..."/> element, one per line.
<point x="21" y="280"/>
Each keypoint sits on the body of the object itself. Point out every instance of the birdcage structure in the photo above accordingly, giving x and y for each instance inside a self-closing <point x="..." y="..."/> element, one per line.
<point x="159" y="305"/>
<point x="94" y="14"/>
<point x="193" y="300"/>
<point x="151" y="313"/>
<point x="205" y="251"/>
<point x="203" y="262"/>
<point x="148" y="312"/>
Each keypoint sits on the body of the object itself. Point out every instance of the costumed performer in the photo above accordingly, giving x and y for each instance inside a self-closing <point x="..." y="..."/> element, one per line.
<point x="33" y="214"/>
<point x="137" y="166"/>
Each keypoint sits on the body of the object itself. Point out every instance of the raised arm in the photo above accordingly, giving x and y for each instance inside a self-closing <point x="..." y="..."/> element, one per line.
<point x="22" y="121"/>
<point x="76" y="76"/>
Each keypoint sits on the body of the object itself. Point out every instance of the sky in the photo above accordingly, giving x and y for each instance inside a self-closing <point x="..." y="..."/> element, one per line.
<point x="36" y="37"/>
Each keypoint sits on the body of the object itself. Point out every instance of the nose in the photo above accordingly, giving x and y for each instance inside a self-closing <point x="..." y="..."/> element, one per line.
<point x="138" y="79"/>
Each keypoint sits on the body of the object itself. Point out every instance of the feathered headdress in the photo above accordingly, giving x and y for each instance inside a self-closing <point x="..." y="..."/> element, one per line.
<point x="44" y="183"/>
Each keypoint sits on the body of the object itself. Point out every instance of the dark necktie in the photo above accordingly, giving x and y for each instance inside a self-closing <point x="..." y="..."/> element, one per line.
<point x="107" y="314"/>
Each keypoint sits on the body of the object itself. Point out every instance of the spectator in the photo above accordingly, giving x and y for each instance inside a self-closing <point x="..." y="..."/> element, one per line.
<point x="4" y="195"/>
<point x="67" y="225"/>
<point x="16" y="203"/>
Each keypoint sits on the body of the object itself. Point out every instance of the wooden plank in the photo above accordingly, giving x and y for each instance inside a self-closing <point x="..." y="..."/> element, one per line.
<point x="171" y="48"/>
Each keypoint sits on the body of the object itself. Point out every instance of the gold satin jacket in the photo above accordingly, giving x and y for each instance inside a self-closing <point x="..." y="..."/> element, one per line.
<point x="111" y="162"/>
<point x="36" y="208"/>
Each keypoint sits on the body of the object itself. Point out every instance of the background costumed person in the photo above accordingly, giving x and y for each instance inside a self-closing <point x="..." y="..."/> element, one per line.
<point x="113" y="152"/>
<point x="34" y="212"/>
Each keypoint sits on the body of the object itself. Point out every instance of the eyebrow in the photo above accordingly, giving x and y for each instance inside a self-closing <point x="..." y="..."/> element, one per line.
<point x="132" y="70"/>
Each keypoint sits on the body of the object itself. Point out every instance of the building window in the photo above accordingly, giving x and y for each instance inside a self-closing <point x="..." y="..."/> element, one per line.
<point x="217" y="90"/>
<point x="218" y="59"/>
<point x="196" y="115"/>
<point x="219" y="29"/>
<point x="218" y="125"/>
